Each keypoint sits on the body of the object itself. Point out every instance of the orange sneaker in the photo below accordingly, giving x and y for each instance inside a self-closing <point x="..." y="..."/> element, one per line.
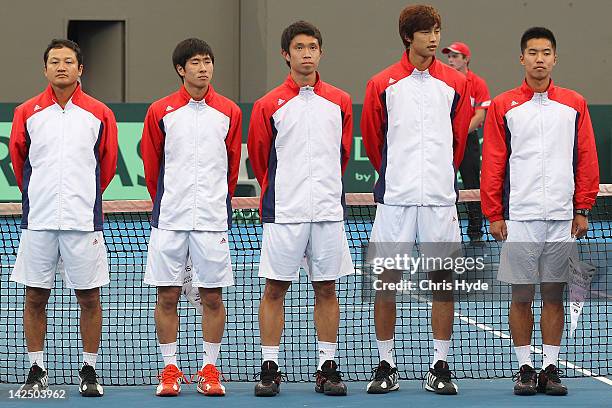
<point x="170" y="381"/>
<point x="208" y="382"/>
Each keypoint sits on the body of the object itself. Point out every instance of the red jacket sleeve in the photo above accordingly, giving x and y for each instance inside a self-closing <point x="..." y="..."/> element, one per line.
<point x="347" y="132"/>
<point x="586" y="177"/>
<point x="151" y="147"/>
<point x="461" y="123"/>
<point x="233" y="144"/>
<point x="18" y="147"/>
<point x="494" y="162"/>
<point x="259" y="143"/>
<point x="373" y="125"/>
<point x="108" y="150"/>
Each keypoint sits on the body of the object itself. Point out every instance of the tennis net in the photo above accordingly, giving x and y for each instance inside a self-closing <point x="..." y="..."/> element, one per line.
<point x="481" y="346"/>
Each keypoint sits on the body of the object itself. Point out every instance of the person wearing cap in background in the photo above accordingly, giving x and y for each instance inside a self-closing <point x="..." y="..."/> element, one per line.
<point x="459" y="57"/>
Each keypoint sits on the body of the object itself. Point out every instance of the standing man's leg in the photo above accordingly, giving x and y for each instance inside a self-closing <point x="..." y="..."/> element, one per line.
<point x="393" y="235"/>
<point x="386" y="377"/>
<point x="272" y="317"/>
<point x="91" y="331"/>
<point x="35" y="323"/>
<point x="167" y="260"/>
<point x="470" y="173"/>
<point x="442" y="316"/>
<point x="35" y="328"/>
<point x="521" y="328"/>
<point x="438" y="378"/>
<point x="271" y="323"/>
<point x="440" y="239"/>
<point x="213" y="324"/>
<point x="166" y="323"/>
<point x="385" y="315"/>
<point x="551" y="325"/>
<point x="327" y="320"/>
<point x="91" y="323"/>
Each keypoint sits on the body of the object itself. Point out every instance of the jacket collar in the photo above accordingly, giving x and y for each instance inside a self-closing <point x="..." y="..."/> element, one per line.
<point x="74" y="98"/>
<point x="291" y="84"/>
<point x="528" y="92"/>
<point x="407" y="65"/>
<point x="210" y="94"/>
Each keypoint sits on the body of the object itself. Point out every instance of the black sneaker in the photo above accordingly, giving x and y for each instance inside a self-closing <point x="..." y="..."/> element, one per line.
<point x="438" y="379"/>
<point x="89" y="386"/>
<point x="269" y="380"/>
<point x="329" y="379"/>
<point x="385" y="379"/>
<point x="37" y="380"/>
<point x="525" y="381"/>
<point x="549" y="381"/>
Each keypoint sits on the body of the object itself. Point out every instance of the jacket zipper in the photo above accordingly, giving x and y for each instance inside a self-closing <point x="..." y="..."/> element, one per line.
<point x="422" y="111"/>
<point x="61" y="166"/>
<point x="195" y="164"/>
<point x="307" y="98"/>
<point x="543" y="153"/>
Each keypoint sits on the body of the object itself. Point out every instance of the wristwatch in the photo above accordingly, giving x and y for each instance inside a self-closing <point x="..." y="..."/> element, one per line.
<point x="582" y="211"/>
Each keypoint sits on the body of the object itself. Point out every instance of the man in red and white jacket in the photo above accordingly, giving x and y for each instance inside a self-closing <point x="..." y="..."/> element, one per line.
<point x="414" y="125"/>
<point x="63" y="146"/>
<point x="299" y="144"/>
<point x="540" y="178"/>
<point x="191" y="146"/>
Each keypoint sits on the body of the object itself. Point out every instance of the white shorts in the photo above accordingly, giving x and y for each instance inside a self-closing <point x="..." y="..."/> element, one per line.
<point x="536" y="251"/>
<point x="79" y="256"/>
<point x="320" y="247"/>
<point x="396" y="228"/>
<point x="169" y="251"/>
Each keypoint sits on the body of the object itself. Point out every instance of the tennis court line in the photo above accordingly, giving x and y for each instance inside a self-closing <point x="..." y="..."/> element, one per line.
<point x="506" y="336"/>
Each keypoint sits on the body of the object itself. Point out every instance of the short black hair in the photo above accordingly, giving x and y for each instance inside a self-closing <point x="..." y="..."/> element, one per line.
<point x="297" y="28"/>
<point x="189" y="48"/>
<point x="537" y="32"/>
<point x="57" y="43"/>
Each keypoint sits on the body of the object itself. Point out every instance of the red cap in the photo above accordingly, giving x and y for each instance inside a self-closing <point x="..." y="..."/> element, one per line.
<point x="459" y="48"/>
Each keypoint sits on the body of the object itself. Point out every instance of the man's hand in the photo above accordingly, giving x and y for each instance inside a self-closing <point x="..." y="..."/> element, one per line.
<point x="499" y="230"/>
<point x="580" y="226"/>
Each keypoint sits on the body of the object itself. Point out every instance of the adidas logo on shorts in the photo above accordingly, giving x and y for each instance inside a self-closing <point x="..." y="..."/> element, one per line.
<point x="95" y="241"/>
<point x="223" y="241"/>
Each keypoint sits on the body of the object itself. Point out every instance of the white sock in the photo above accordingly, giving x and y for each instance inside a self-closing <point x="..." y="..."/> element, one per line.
<point x="270" y="353"/>
<point x="90" y="359"/>
<point x="551" y="354"/>
<point x="168" y="351"/>
<point x="385" y="350"/>
<point x="36" y="357"/>
<point x="440" y="350"/>
<point x="523" y="354"/>
<point x="327" y="351"/>
<point x="211" y="352"/>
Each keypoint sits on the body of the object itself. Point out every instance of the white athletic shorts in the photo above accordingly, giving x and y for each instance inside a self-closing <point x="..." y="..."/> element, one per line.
<point x="536" y="251"/>
<point x="396" y="228"/>
<point x="169" y="251"/>
<point x="79" y="256"/>
<point x="320" y="248"/>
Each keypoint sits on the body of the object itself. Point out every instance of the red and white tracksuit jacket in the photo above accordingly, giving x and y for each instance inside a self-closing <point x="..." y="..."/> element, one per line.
<point x="63" y="160"/>
<point x="539" y="158"/>
<point x="414" y="126"/>
<point x="191" y="154"/>
<point x="299" y="145"/>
